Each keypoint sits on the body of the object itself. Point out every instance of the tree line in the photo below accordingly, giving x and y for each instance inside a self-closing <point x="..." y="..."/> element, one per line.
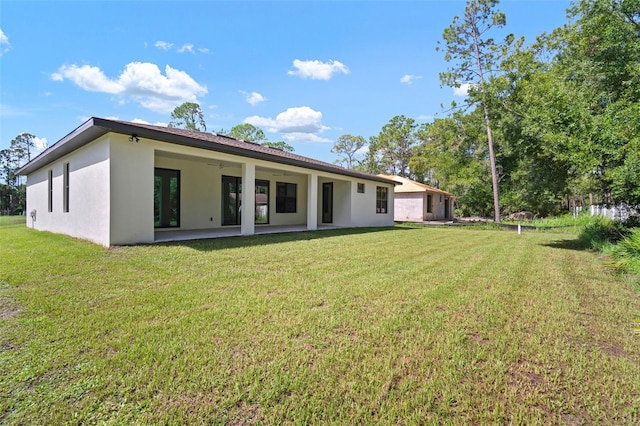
<point x="561" y="115"/>
<point x="13" y="198"/>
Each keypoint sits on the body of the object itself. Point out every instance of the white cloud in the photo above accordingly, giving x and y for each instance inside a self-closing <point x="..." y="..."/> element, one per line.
<point x="363" y="151"/>
<point x="293" y="120"/>
<point x="187" y="47"/>
<point x="141" y="121"/>
<point x="409" y="78"/>
<point x="253" y="98"/>
<point x="425" y="117"/>
<point x="5" y="46"/>
<point x="305" y="137"/>
<point x="41" y="144"/>
<point x="317" y="70"/>
<point x="141" y="81"/>
<point x="463" y="90"/>
<point x="164" y="45"/>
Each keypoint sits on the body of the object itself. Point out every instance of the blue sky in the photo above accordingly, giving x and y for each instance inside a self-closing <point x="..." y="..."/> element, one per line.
<point x="305" y="72"/>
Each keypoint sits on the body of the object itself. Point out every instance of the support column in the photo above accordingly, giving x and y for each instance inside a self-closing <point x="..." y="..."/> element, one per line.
<point x="312" y="202"/>
<point x="248" y="199"/>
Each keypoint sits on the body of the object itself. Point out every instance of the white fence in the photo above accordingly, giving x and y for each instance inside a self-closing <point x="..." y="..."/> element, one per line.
<point x="619" y="212"/>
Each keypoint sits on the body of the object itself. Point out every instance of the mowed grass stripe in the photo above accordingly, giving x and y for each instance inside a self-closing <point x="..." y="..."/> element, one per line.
<point x="424" y="325"/>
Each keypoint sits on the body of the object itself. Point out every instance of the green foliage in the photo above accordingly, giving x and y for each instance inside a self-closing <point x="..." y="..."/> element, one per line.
<point x="188" y="116"/>
<point x="465" y="43"/>
<point x="627" y="252"/>
<point x="391" y="151"/>
<point x="13" y="197"/>
<point x="250" y="133"/>
<point x="475" y="56"/>
<point x="281" y="145"/>
<point x="453" y="156"/>
<point x="602" y="232"/>
<point x="247" y="132"/>
<point x="565" y="110"/>
<point x="347" y="146"/>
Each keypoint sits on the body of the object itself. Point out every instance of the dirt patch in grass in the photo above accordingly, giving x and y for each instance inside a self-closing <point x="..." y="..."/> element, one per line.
<point x="477" y="338"/>
<point x="6" y="346"/>
<point x="8" y="308"/>
<point x="247" y="414"/>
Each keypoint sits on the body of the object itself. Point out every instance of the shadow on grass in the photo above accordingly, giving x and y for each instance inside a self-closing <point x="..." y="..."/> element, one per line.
<point x="221" y="243"/>
<point x="574" y="244"/>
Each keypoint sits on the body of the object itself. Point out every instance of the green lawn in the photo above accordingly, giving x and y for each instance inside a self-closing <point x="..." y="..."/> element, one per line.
<point x="387" y="326"/>
<point x="12" y="220"/>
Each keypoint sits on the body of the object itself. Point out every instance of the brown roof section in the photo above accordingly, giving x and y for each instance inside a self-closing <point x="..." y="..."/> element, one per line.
<point x="96" y="127"/>
<point x="408" y="185"/>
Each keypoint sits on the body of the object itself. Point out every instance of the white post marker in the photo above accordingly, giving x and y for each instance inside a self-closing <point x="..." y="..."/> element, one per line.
<point x="519" y="229"/>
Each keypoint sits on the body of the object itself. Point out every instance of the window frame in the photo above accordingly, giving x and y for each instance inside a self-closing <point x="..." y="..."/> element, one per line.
<point x="65" y="187"/>
<point x="429" y="203"/>
<point x="265" y="184"/>
<point x="168" y="174"/>
<point x="360" y="188"/>
<point x="285" y="201"/>
<point x="382" y="200"/>
<point x="50" y="190"/>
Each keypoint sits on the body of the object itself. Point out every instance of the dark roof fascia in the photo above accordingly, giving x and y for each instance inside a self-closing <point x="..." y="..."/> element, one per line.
<point x="96" y="127"/>
<point x="125" y="128"/>
<point x="80" y="136"/>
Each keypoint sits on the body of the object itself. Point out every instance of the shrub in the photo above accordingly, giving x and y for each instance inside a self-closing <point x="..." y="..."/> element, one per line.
<point x="626" y="253"/>
<point x="601" y="232"/>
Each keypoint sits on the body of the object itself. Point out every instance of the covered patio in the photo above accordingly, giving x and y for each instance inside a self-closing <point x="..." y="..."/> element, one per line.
<point x="165" y="236"/>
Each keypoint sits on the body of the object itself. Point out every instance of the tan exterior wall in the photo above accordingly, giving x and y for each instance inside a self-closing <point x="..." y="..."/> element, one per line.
<point x="89" y="203"/>
<point x="410" y="207"/>
<point x="131" y="214"/>
<point x="112" y="191"/>
<point x="364" y="205"/>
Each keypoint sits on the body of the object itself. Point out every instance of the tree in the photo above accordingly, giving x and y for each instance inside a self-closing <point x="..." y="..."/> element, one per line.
<point x="474" y="55"/>
<point x="22" y="147"/>
<point x="13" y="192"/>
<point x="250" y="133"/>
<point x="453" y="154"/>
<point x="247" y="132"/>
<point x="599" y="60"/>
<point x="394" y="146"/>
<point x="348" y="146"/>
<point x="281" y="145"/>
<point x="188" y="116"/>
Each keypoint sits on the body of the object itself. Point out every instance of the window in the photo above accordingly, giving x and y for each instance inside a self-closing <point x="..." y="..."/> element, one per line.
<point x="166" y="198"/>
<point x="286" y="197"/>
<point x="262" y="201"/>
<point x="65" y="185"/>
<point x="50" y="191"/>
<point x="361" y="188"/>
<point x="382" y="195"/>
<point x="429" y="202"/>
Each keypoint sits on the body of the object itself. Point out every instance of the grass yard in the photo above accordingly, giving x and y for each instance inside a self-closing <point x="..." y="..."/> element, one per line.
<point x="393" y="326"/>
<point x="12" y="220"/>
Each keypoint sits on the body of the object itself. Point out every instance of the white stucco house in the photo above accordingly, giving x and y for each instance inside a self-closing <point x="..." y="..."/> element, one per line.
<point x="115" y="182"/>
<point x="417" y="202"/>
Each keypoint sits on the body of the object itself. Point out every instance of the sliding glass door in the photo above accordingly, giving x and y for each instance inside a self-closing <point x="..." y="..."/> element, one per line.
<point x="166" y="198"/>
<point x="232" y="203"/>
